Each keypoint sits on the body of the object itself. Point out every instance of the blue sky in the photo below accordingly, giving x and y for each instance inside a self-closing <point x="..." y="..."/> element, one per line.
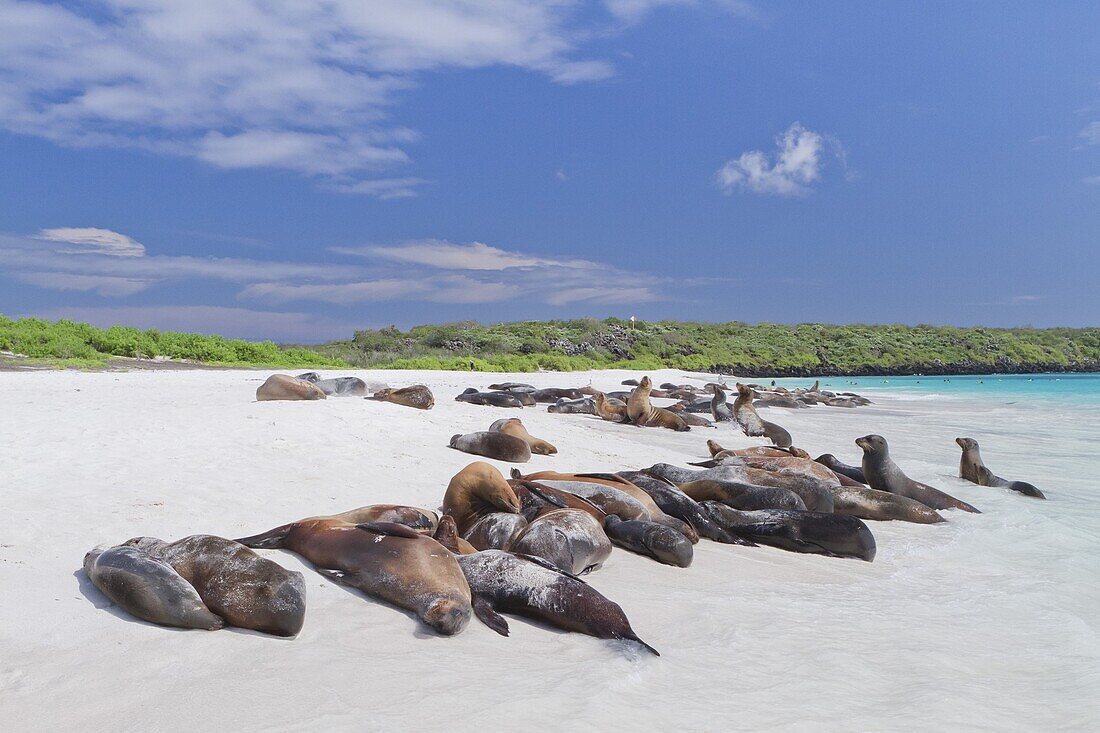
<point x="227" y="167"/>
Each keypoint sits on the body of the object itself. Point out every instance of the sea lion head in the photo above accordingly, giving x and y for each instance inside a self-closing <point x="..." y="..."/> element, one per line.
<point x="872" y="444"/>
<point x="645" y="383"/>
<point x="477" y="490"/>
<point x="714" y="448"/>
<point x="967" y="444"/>
<point x="744" y="390"/>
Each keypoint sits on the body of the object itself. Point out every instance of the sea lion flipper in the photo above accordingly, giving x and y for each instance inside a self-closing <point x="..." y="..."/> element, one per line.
<point x="704" y="464"/>
<point x="483" y="609"/>
<point x="389" y="528"/>
<point x="270" y="540"/>
<point x="336" y="576"/>
<point x="548" y="565"/>
<point x="548" y="498"/>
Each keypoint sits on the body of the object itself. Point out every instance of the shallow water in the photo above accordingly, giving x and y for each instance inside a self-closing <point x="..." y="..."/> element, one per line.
<point x="989" y="621"/>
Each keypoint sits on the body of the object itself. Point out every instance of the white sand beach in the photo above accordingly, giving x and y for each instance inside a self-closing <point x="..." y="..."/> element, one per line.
<point x="988" y="621"/>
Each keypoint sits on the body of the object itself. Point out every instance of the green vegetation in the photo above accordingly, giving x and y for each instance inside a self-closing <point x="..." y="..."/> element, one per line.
<point x="747" y="349"/>
<point x="66" y="343"/>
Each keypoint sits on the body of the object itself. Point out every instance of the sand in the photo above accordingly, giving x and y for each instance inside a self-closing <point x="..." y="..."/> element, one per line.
<point x="987" y="621"/>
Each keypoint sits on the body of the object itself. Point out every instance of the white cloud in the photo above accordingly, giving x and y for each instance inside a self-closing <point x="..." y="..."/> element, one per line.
<point x="103" y="285"/>
<point x="342" y="293"/>
<point x="602" y="295"/>
<point x="90" y="240"/>
<point x="1092" y="180"/>
<point x="632" y="11"/>
<point x="795" y="166"/>
<point x="446" y="255"/>
<point x="1091" y="133"/>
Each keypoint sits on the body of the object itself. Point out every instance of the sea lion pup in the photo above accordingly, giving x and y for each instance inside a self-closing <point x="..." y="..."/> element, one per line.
<point x="974" y="470"/>
<point x="883" y="474"/>
<point x="642" y="412"/>
<point x="570" y="539"/>
<point x="553" y="394"/>
<point x="815" y="494"/>
<point x="476" y="491"/>
<point x="383" y="560"/>
<point x="148" y="588"/>
<point x="719" y="408"/>
<point x="282" y="387"/>
<point x="234" y="582"/>
<point x="610" y="410"/>
<point x="663" y="544"/>
<point x="447" y="535"/>
<point x="493" y="399"/>
<point x="746" y="497"/>
<point x="512" y="426"/>
<point x="584" y="406"/>
<point x="350" y="386"/>
<point x="831" y="462"/>
<point x="417" y="396"/>
<point x="501" y="446"/>
<point x="751" y="423"/>
<point x="835" y="535"/>
<point x="504" y="583"/>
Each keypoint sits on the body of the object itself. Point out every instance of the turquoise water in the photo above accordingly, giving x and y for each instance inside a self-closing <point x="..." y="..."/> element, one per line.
<point x="1060" y="387"/>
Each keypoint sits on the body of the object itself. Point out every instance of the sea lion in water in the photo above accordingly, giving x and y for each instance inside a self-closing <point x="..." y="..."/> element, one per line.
<point x="883" y="474"/>
<point x="831" y="462"/>
<point x="493" y="399"/>
<point x="282" y="387"/>
<point x="504" y="583"/>
<point x="751" y="423"/>
<point x="610" y="410"/>
<point x="339" y="386"/>
<point x="974" y="470"/>
<point x="384" y="560"/>
<point x="642" y="412"/>
<point x="719" y="408"/>
<point x="512" y="426"/>
<point x="478" y="490"/>
<point x="417" y="396"/>
<point x="148" y="588"/>
<point x="234" y="582"/>
<point x="570" y="539"/>
<point x="501" y="446"/>
<point x="584" y="406"/>
<point x="835" y="535"/>
<point x="644" y="537"/>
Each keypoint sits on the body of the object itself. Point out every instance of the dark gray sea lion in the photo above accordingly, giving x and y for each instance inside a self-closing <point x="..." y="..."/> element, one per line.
<point x="148" y="588"/>
<point x="835" y="535"/>
<point x="340" y="386"/>
<point x="783" y="401"/>
<point x="553" y="394"/>
<point x="816" y="495"/>
<point x="831" y="462"/>
<point x="867" y="503"/>
<point x="608" y="499"/>
<point x="417" y="396"/>
<point x="719" y="408"/>
<point x="493" y="399"/>
<point x="644" y="537"/>
<point x="499" y="446"/>
<point x="282" y="387"/>
<point x="883" y="474"/>
<point x="570" y="539"/>
<point x="447" y="535"/>
<point x="584" y="406"/>
<point x="974" y="470"/>
<point x="513" y="387"/>
<point x="751" y="423"/>
<point x="642" y="412"/>
<point x="504" y="583"/>
<point x="630" y="382"/>
<point x="495" y="531"/>
<point x="384" y="560"/>
<point x="676" y="503"/>
<point x="246" y="590"/>
<point x="693" y="406"/>
<point x="695" y="420"/>
<point x="746" y="497"/>
<point x="514" y="427"/>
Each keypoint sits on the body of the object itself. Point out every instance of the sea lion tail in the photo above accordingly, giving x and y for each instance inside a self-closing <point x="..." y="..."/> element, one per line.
<point x="269" y="540"/>
<point x="634" y="637"/>
<point x="705" y="464"/>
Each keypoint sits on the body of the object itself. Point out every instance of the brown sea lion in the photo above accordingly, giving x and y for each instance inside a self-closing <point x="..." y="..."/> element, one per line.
<point x="246" y="590"/>
<point x="475" y="491"/>
<point x="417" y="396"/>
<point x="384" y="560"/>
<point x="500" y="446"/>
<point x="282" y="387"/>
<point x="447" y="535"/>
<point x="642" y="412"/>
<point x="752" y="424"/>
<point x="883" y="474"/>
<point x="504" y="583"/>
<point x="610" y="410"/>
<point x="512" y="426"/>
<point x="973" y="469"/>
<point x="422" y="520"/>
<point x="815" y="494"/>
<point x="148" y="588"/>
<point x="743" y="496"/>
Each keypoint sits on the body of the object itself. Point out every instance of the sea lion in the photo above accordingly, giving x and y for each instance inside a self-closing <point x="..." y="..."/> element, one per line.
<point x="553" y="394"/>
<point x="815" y="494"/>
<point x="746" y="497"/>
<point x="512" y="426"/>
<point x="282" y="387"/>
<point x="495" y="531"/>
<point x="477" y="490"/>
<point x="246" y="590"/>
<point x="719" y="408"/>
<point x="570" y="539"/>
<point x="148" y="588"/>
<point x="663" y="544"/>
<point x="584" y="406"/>
<point x="504" y="583"/>
<point x="340" y="386"/>
<point x="974" y="470"/>
<point x="831" y="462"/>
<point x="421" y="520"/>
<point x="694" y="420"/>
<point x="610" y="410"/>
<point x="630" y="382"/>
<point x="883" y="474"/>
<point x="417" y="396"/>
<point x="500" y="446"/>
<point x="751" y="423"/>
<point x="493" y="399"/>
<point x="383" y="560"/>
<point x="513" y="387"/>
<point x="642" y="412"/>
<point x="835" y="535"/>
<point x="447" y="535"/>
<point x="677" y="504"/>
<point x="867" y="503"/>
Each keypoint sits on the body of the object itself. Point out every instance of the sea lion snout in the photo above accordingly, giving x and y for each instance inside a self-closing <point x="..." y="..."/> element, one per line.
<point x="447" y="616"/>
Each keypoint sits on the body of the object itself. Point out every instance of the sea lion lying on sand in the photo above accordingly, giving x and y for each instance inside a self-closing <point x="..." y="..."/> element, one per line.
<point x="493" y="399"/>
<point x="500" y="446"/>
<point x="417" y="396"/>
<point x="282" y="387"/>
<point x="584" y="406"/>
<point x="338" y="386"/>
<point x="512" y="426"/>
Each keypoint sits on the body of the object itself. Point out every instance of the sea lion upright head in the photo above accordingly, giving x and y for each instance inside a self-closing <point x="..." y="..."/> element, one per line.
<point x="967" y="444"/>
<point x="873" y="445"/>
<point x="477" y="490"/>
